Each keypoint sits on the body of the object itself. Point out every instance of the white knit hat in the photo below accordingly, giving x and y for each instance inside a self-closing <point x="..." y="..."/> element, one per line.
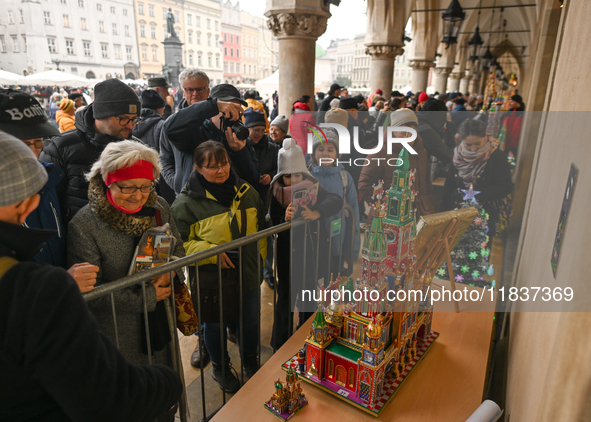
<point x="403" y="116"/>
<point x="331" y="136"/>
<point x="290" y="160"/>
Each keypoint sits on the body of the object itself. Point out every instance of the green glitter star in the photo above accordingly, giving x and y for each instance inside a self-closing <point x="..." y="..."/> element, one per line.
<point x="475" y="274"/>
<point x="465" y="268"/>
<point x="473" y="255"/>
<point x="441" y="272"/>
<point x="485" y="252"/>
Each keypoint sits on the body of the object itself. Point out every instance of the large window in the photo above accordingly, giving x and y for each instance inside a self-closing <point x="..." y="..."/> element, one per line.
<point x="50" y="44"/>
<point x="216" y="25"/>
<point x="190" y="37"/>
<point x="124" y="12"/>
<point x="47" y="17"/>
<point x="142" y="30"/>
<point x="209" y="61"/>
<point x="199" y="60"/>
<point x="113" y="9"/>
<point x="153" y="32"/>
<point x="70" y="47"/>
<point x="101" y="26"/>
<point x="151" y="10"/>
<point x="15" y="46"/>
<point x="126" y="28"/>
<point x="10" y="17"/>
<point x="144" y="52"/>
<point x="105" y="51"/>
<point x="217" y="62"/>
<point x="209" y="40"/>
<point x="99" y="7"/>
<point x="83" y="23"/>
<point x="190" y="60"/>
<point x="189" y="20"/>
<point x="154" y="54"/>
<point x="209" y="24"/>
<point x="3" y="44"/>
<point x="86" y="48"/>
<point x="117" y="51"/>
<point x="115" y="30"/>
<point x="81" y="3"/>
<point x="198" y="20"/>
<point x="66" y="20"/>
<point x="199" y="38"/>
<point x="128" y="52"/>
<point x="140" y="8"/>
<point x="24" y="43"/>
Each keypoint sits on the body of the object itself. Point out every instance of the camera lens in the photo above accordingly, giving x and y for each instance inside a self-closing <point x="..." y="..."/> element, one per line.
<point x="240" y="131"/>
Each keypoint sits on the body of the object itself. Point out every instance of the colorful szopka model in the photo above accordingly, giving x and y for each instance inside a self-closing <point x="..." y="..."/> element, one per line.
<point x="362" y="350"/>
<point x="288" y="398"/>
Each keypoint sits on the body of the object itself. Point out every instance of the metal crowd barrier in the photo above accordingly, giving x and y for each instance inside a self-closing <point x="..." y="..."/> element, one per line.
<point x="177" y="265"/>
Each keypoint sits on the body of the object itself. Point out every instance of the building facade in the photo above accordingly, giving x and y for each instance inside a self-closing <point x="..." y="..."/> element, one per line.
<point x="231" y="42"/>
<point x="250" y="39"/>
<point x="203" y="38"/>
<point x="360" y="78"/>
<point x="89" y="38"/>
<point x="150" y="18"/>
<point x="268" y="57"/>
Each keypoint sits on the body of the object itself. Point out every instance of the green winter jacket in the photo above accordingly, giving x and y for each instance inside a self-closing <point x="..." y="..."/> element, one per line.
<point x="204" y="223"/>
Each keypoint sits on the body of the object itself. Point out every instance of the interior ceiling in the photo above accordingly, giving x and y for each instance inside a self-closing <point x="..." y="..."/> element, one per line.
<point x="522" y="20"/>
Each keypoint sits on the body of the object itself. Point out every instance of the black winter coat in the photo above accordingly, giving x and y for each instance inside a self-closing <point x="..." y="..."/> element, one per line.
<point x="149" y="127"/>
<point x="266" y="152"/>
<point x="74" y="152"/>
<point x="494" y="183"/>
<point x="55" y="365"/>
<point x="190" y="127"/>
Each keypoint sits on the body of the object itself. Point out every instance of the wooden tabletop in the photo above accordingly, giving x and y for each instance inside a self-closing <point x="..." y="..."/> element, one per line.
<point x="445" y="386"/>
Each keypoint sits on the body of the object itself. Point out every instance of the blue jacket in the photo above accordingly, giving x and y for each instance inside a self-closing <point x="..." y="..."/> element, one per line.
<point x="330" y="179"/>
<point x="47" y="216"/>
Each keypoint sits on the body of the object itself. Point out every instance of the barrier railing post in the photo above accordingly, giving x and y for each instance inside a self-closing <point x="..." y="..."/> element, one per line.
<point x="147" y="323"/>
<point x="222" y="329"/>
<point x="241" y="316"/>
<point x="115" y="319"/>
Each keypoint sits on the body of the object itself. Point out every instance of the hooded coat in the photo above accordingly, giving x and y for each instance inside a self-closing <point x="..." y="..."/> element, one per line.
<point x="149" y="127"/>
<point x="65" y="121"/>
<point x="74" y="153"/>
<point x="331" y="179"/>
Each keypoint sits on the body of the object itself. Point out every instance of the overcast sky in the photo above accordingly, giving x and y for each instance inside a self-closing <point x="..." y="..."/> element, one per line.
<point x="348" y="19"/>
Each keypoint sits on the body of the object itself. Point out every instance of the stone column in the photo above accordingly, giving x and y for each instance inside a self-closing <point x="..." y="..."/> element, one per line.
<point x="381" y="71"/>
<point x="297" y="30"/>
<point x="465" y="81"/>
<point x="474" y="84"/>
<point x="420" y="74"/>
<point x="453" y="83"/>
<point x="441" y="75"/>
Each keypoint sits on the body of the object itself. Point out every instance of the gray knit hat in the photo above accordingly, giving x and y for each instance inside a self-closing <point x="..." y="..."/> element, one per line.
<point x="21" y="174"/>
<point x="290" y="160"/>
<point x="112" y="98"/>
<point x="403" y="116"/>
<point x="331" y="136"/>
<point x="282" y="122"/>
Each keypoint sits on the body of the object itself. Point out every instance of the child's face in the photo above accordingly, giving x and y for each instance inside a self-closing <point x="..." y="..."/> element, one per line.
<point x="326" y="151"/>
<point x="292" y="179"/>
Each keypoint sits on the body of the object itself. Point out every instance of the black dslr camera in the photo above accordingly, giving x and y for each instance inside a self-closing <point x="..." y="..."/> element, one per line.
<point x="236" y="126"/>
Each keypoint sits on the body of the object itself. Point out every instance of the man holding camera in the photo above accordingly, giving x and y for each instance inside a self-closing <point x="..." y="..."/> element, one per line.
<point x="218" y="119"/>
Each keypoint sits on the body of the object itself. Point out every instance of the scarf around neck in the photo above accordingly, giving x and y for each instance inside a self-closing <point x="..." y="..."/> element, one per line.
<point x="470" y="164"/>
<point x="224" y="193"/>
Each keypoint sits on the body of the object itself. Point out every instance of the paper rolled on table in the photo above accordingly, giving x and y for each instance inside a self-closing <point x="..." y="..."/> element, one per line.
<point x="488" y="411"/>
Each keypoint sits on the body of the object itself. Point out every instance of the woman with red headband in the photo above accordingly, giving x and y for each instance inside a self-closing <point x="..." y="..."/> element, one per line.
<point x="122" y="205"/>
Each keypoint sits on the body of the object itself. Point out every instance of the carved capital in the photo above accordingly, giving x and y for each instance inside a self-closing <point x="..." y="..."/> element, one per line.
<point x="421" y="64"/>
<point x="442" y="71"/>
<point x="384" y="51"/>
<point x="455" y="75"/>
<point x="296" y="24"/>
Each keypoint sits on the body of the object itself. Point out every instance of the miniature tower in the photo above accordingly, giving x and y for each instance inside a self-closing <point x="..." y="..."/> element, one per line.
<point x="315" y="344"/>
<point x="399" y="223"/>
<point x="373" y="261"/>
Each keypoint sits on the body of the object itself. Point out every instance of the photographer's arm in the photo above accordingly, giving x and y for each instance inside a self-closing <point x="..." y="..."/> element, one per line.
<point x="180" y="128"/>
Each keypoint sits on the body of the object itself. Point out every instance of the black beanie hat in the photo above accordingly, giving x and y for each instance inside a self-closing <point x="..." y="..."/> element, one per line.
<point x="152" y="100"/>
<point x="112" y="98"/>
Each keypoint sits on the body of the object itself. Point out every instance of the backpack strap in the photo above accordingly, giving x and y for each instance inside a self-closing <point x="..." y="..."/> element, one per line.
<point x="158" y="216"/>
<point x="6" y="263"/>
<point x="345" y="179"/>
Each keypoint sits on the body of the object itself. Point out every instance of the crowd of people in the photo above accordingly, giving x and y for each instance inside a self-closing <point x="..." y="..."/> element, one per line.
<point x="76" y="201"/>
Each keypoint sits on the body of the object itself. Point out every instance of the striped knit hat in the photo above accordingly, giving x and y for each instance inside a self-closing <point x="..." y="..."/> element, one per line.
<point x="66" y="104"/>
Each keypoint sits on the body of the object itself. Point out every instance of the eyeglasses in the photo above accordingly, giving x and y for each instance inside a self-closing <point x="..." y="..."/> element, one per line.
<point x="258" y="130"/>
<point x="124" y="121"/>
<point x="37" y="144"/>
<point x="218" y="167"/>
<point x="199" y="90"/>
<point x="127" y="190"/>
